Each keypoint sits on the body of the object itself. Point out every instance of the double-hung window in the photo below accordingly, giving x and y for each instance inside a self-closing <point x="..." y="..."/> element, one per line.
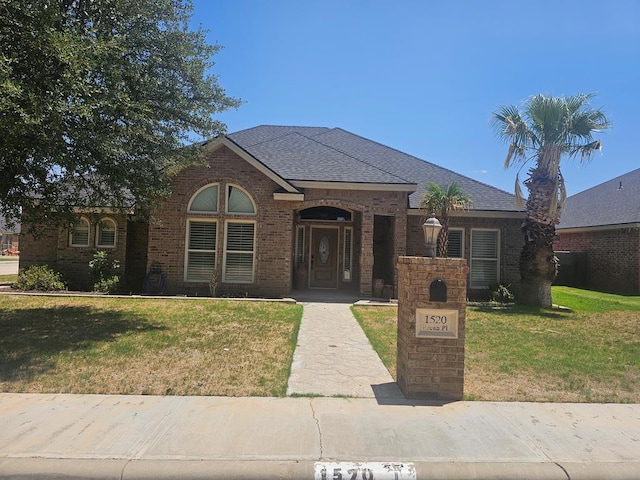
<point x="239" y="247"/>
<point x="106" y="233"/>
<point x="202" y="235"/>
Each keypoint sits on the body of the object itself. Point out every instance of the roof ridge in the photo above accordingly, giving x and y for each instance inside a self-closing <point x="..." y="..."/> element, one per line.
<point x="284" y="127"/>
<point x="416" y="158"/>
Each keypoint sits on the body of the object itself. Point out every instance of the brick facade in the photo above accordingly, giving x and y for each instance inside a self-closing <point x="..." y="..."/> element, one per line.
<point x="378" y="220"/>
<point x="53" y="248"/>
<point x="613" y="257"/>
<point x="430" y="368"/>
<point x="511" y="242"/>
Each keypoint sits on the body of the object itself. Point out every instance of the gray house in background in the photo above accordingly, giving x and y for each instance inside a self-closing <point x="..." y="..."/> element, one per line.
<point x="600" y="227"/>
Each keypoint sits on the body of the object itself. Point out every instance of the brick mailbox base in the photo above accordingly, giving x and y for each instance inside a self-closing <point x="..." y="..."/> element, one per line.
<point x="431" y="327"/>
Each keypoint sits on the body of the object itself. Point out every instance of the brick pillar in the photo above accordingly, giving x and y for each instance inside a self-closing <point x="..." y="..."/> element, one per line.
<point x="366" y="253"/>
<point x="431" y="362"/>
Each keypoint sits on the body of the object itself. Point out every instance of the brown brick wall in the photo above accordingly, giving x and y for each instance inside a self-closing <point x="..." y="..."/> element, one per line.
<point x="52" y="248"/>
<point x="511" y="243"/>
<point x="275" y="226"/>
<point x="430" y="367"/>
<point x="613" y="258"/>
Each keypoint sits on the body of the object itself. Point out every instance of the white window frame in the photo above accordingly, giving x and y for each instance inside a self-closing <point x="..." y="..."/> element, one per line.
<point x="99" y="232"/>
<point x="205" y="212"/>
<point x="496" y="259"/>
<point x="187" y="250"/>
<point x="347" y="266"/>
<point x="228" y="194"/>
<point x="226" y="251"/>
<point x="86" y="221"/>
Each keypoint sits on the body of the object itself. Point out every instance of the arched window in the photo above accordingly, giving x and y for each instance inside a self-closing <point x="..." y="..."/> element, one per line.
<point x="239" y="201"/>
<point x="106" y="233"/>
<point x="206" y="224"/>
<point x="205" y="200"/>
<point x="79" y="233"/>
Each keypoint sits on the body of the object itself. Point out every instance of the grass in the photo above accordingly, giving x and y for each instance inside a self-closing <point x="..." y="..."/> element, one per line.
<point x="8" y="279"/>
<point x="589" y="354"/>
<point x="146" y="346"/>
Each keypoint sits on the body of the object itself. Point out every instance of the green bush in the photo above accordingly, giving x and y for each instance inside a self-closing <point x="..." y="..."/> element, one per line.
<point x="103" y="270"/>
<point x="39" y="277"/>
<point x="501" y="293"/>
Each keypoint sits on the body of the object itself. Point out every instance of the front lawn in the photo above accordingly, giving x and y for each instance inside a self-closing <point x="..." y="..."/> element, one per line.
<point x="146" y="345"/>
<point x="590" y="354"/>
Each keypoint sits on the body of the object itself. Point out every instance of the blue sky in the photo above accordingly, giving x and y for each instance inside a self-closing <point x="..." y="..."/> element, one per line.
<point x="424" y="77"/>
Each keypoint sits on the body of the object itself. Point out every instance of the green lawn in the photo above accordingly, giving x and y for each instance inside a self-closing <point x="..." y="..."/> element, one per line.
<point x="589" y="354"/>
<point x="8" y="279"/>
<point x="146" y="346"/>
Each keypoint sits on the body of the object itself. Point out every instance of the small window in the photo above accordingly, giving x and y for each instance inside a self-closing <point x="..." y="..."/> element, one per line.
<point x="239" y="252"/>
<point x="348" y="248"/>
<point x="299" y="245"/>
<point x="201" y="251"/>
<point x="106" y="233"/>
<point x="205" y="201"/>
<point x="238" y="201"/>
<point x="484" y="258"/>
<point x="79" y="235"/>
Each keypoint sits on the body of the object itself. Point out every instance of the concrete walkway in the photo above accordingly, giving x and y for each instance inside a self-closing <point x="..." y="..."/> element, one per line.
<point x="333" y="357"/>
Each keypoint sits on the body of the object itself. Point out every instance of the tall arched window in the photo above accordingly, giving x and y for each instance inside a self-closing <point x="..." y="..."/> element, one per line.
<point x="106" y="233"/>
<point x="204" y="224"/>
<point x="79" y="233"/>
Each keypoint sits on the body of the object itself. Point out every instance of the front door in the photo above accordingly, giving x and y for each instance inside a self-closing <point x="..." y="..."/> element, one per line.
<point x="324" y="258"/>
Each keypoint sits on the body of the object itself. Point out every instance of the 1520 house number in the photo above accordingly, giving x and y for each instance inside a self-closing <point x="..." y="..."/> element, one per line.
<point x="432" y="323"/>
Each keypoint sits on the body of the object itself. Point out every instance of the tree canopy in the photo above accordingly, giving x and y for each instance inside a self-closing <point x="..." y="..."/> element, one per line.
<point x="441" y="201"/>
<point x="99" y="102"/>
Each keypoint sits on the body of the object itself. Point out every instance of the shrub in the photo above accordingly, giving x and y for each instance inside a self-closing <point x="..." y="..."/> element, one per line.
<point x="103" y="270"/>
<point x="501" y="293"/>
<point x="39" y="277"/>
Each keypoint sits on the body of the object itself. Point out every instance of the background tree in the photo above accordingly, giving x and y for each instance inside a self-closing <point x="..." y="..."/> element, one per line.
<point x="548" y="129"/>
<point x="98" y="100"/>
<point x="441" y="201"/>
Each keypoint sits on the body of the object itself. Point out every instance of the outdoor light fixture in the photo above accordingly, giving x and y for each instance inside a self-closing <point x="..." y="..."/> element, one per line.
<point x="431" y="228"/>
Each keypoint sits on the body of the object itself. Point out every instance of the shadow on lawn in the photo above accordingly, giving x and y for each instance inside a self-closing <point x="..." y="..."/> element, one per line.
<point x="518" y="310"/>
<point x="30" y="339"/>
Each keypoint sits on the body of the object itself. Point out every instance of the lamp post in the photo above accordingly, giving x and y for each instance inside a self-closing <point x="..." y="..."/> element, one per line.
<point x="431" y="228"/>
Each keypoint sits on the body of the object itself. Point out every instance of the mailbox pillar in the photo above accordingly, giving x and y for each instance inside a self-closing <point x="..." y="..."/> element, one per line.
<point x="432" y="296"/>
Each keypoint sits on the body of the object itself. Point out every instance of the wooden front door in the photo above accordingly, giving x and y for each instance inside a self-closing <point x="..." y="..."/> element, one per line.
<point x="324" y="258"/>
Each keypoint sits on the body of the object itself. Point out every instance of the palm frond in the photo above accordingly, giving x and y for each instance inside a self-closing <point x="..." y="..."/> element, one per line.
<point x="518" y="193"/>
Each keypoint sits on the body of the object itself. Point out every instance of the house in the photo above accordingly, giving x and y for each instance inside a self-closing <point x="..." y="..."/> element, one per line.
<point x="603" y="224"/>
<point x="9" y="238"/>
<point x="278" y="208"/>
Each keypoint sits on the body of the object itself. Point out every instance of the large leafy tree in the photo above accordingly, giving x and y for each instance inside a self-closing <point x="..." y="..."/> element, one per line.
<point x="98" y="100"/>
<point x="547" y="130"/>
<point x="441" y="201"/>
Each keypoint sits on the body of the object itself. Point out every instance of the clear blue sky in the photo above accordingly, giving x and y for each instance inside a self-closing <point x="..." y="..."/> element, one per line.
<point x="425" y="76"/>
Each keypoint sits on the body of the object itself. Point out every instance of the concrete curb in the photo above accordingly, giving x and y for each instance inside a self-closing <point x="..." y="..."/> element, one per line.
<point x="145" y="469"/>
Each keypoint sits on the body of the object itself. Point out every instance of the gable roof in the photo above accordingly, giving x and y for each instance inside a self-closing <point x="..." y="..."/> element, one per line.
<point x="614" y="202"/>
<point x="320" y="154"/>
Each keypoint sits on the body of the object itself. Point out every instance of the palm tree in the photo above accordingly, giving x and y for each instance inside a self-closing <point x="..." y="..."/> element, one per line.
<point x="548" y="129"/>
<point x="440" y="202"/>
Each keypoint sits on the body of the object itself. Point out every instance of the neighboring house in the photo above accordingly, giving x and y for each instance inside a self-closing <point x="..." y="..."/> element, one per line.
<point x="281" y="208"/>
<point x="9" y="238"/>
<point x="603" y="222"/>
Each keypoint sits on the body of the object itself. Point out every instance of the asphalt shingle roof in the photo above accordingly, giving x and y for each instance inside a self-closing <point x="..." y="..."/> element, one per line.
<point x="614" y="202"/>
<point x="333" y="154"/>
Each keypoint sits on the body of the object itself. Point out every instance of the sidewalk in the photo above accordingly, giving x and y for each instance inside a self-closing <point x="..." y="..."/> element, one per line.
<point x="334" y="357"/>
<point x="145" y="437"/>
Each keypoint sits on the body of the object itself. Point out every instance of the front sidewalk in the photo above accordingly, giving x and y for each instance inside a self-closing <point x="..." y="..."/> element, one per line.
<point x="135" y="437"/>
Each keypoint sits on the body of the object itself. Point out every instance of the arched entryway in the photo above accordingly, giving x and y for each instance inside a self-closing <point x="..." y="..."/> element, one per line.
<point x="326" y="247"/>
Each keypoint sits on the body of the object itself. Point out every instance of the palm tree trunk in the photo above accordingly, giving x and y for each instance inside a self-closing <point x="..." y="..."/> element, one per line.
<point x="538" y="263"/>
